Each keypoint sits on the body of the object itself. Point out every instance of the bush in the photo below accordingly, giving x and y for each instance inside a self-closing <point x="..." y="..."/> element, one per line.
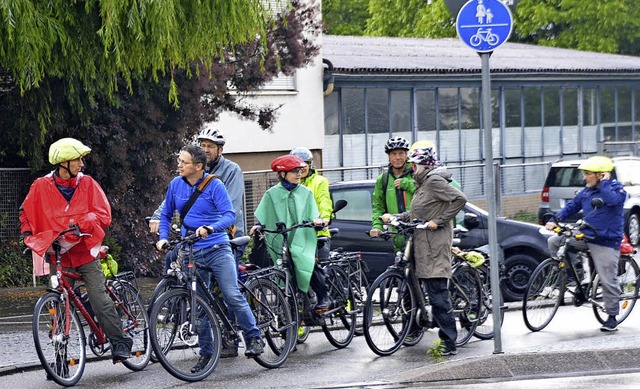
<point x="15" y="266"/>
<point x="525" y="216"/>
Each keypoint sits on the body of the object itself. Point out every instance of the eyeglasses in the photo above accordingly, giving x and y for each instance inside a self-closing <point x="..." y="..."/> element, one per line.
<point x="181" y="162"/>
<point x="298" y="171"/>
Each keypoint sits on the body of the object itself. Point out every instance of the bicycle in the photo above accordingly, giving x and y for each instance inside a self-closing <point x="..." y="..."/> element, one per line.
<point x="397" y="309"/>
<point x="549" y="283"/>
<point x="355" y="267"/>
<point x="58" y="332"/>
<point x="478" y="258"/>
<point x="338" y="322"/>
<point x="178" y="314"/>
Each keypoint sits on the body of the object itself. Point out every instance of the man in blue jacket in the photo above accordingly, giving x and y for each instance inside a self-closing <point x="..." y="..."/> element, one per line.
<point x="209" y="217"/>
<point x="609" y="224"/>
<point x="212" y="142"/>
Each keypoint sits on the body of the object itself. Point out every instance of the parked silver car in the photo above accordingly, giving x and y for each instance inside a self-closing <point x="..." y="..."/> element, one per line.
<point x="564" y="181"/>
<point x="522" y="246"/>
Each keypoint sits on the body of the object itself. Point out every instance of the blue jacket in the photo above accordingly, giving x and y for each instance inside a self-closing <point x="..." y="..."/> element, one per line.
<point x="608" y="220"/>
<point x="233" y="180"/>
<point x="212" y="208"/>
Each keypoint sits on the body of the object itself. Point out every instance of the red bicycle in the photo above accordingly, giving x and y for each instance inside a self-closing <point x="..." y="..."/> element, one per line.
<point x="58" y="332"/>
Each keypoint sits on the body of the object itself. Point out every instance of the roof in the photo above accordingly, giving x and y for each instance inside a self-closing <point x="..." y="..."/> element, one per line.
<point x="360" y="54"/>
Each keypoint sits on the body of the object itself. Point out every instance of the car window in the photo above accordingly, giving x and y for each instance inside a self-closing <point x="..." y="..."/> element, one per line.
<point x="359" y="203"/>
<point x="628" y="172"/>
<point x="565" y="176"/>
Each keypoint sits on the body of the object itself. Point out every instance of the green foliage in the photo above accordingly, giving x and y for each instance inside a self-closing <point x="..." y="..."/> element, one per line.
<point x="609" y="26"/>
<point x="436" y="351"/>
<point x="414" y="18"/>
<point x="15" y="267"/>
<point x="345" y="17"/>
<point x="525" y="216"/>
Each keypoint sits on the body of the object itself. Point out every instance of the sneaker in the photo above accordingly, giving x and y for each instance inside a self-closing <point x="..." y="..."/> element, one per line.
<point x="121" y="352"/>
<point x="610" y="325"/>
<point x="229" y="352"/>
<point x="449" y="350"/>
<point x="255" y="347"/>
<point x="202" y="363"/>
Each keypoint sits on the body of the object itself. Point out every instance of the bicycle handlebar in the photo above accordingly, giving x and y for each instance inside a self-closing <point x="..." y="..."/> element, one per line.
<point x="281" y="227"/>
<point x="574" y="229"/>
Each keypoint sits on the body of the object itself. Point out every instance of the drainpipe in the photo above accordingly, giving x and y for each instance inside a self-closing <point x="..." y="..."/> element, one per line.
<point x="327" y="77"/>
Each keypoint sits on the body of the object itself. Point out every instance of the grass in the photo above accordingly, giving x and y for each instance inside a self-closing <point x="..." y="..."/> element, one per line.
<point x="436" y="351"/>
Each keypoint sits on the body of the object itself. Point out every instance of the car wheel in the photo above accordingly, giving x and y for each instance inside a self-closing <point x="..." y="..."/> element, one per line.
<point x="517" y="271"/>
<point x="633" y="229"/>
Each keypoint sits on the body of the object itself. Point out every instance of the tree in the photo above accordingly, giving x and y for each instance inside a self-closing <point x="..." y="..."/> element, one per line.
<point x="608" y="26"/>
<point x="345" y="17"/>
<point x="410" y="18"/>
<point x="136" y="131"/>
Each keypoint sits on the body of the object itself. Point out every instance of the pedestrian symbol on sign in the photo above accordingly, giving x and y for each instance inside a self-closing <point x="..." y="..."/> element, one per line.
<point x="484" y="25"/>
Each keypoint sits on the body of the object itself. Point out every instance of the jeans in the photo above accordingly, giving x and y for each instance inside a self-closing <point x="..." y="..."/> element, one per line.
<point x="219" y="260"/>
<point x="442" y="310"/>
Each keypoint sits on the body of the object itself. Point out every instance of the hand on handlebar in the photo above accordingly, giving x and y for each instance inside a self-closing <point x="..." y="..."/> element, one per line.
<point x="204" y="231"/>
<point x="162" y="244"/>
<point x="375" y="233"/>
<point x="551" y="226"/>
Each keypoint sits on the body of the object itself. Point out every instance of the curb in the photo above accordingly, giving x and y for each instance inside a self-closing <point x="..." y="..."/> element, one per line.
<point x="505" y="367"/>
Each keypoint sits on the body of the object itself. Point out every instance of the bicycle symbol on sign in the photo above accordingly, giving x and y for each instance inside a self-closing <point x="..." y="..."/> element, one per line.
<point x="484" y="36"/>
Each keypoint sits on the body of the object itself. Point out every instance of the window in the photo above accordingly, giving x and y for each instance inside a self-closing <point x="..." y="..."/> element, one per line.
<point x="359" y="207"/>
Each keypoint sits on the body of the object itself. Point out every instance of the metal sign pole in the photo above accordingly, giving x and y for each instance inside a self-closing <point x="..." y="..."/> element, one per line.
<point x="491" y="202"/>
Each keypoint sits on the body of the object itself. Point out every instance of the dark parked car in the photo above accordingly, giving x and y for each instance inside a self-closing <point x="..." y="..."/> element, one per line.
<point x="522" y="246"/>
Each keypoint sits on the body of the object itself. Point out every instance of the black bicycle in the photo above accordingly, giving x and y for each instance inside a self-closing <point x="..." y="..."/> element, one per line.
<point x="178" y="314"/>
<point x="397" y="309"/>
<point x="556" y="278"/>
<point x="338" y="321"/>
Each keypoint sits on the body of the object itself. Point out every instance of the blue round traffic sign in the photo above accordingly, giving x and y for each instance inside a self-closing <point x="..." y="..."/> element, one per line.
<point x="484" y="25"/>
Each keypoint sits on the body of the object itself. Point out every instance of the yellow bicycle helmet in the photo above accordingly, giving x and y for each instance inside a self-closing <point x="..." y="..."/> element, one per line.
<point x="597" y="164"/>
<point x="67" y="149"/>
<point x="422" y="144"/>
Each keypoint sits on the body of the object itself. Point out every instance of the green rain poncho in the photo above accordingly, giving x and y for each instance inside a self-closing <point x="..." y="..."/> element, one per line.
<point x="291" y="207"/>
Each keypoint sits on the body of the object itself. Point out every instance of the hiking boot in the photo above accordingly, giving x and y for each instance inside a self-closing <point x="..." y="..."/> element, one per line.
<point x="229" y="352"/>
<point x="610" y="325"/>
<point x="202" y="363"/>
<point x="255" y="347"/>
<point x="121" y="352"/>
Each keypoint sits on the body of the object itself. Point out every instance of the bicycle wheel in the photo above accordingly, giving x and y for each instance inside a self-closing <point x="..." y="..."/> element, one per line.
<point x="466" y="298"/>
<point x="485" y="328"/>
<point x="388" y="312"/>
<point x="339" y="323"/>
<point x="135" y="324"/>
<point x="542" y="296"/>
<point x="63" y="356"/>
<point x="175" y="338"/>
<point x="359" y="286"/>
<point x="273" y="318"/>
<point x="166" y="283"/>
<point x="628" y="281"/>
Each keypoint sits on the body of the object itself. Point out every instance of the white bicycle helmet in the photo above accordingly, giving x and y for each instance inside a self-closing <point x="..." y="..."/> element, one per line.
<point x="396" y="143"/>
<point x="212" y="134"/>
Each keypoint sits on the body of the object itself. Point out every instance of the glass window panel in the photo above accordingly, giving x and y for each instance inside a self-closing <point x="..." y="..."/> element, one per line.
<point x="624" y="105"/>
<point x="353" y="110"/>
<point x="569" y="107"/>
<point x="400" y="108"/>
<point x="532" y="107"/>
<point x="378" y="111"/>
<point x="589" y="106"/>
<point x="607" y="106"/>
<point x="426" y="111"/>
<point x="570" y="139"/>
<point x="512" y="108"/>
<point x="448" y="108"/>
<point x="470" y="108"/>
<point x="551" y="141"/>
<point x="470" y="145"/>
<point x="331" y="150"/>
<point x="552" y="108"/>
